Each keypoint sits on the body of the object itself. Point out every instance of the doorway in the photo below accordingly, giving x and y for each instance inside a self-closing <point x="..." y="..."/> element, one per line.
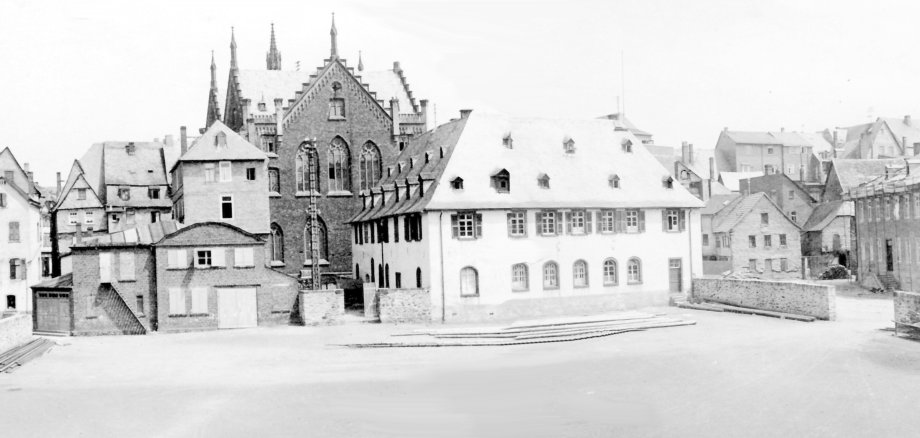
<point x="889" y="256"/>
<point x="675" y="275"/>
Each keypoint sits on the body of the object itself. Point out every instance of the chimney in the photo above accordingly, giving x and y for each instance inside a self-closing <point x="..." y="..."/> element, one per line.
<point x="59" y="184"/>
<point x="25" y="167"/>
<point x="78" y="234"/>
<point x="169" y="141"/>
<point x="464" y="113"/>
<point x="279" y="118"/>
<point x="916" y="149"/>
<point x="684" y="155"/>
<point x="904" y="145"/>
<point x="690" y="153"/>
<point x="712" y="168"/>
<point x="907" y="120"/>
<point x="129" y="148"/>
<point x="396" y="67"/>
<point x="802" y="173"/>
<point x="782" y="129"/>
<point x="425" y="115"/>
<point x="183" y="140"/>
<point x="394" y="109"/>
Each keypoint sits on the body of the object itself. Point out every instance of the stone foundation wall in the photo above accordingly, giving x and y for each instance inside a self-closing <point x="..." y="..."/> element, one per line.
<point x="780" y="296"/>
<point x="15" y="330"/>
<point x="907" y="311"/>
<point x="522" y="308"/>
<point x="404" y="305"/>
<point x="322" y="307"/>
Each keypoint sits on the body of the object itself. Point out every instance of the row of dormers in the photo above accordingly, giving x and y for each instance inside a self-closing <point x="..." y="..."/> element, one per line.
<point x="568" y="144"/>
<point x="501" y="181"/>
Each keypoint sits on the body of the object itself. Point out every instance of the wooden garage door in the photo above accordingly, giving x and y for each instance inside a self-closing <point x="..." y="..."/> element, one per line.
<point x="236" y="307"/>
<point x="52" y="311"/>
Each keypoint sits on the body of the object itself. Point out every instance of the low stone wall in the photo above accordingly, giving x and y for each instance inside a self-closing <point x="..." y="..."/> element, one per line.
<point x="404" y="305"/>
<point x="14" y="331"/>
<point x="371" y="310"/>
<point x="907" y="311"/>
<point x="322" y="307"/>
<point x="781" y="296"/>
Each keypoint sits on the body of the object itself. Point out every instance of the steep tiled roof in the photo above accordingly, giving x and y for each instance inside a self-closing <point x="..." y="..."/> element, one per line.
<point x="749" y="137"/>
<point x="732" y="180"/>
<point x="822" y="215"/>
<point x="852" y="173"/>
<point x="269" y="85"/>
<point x="717" y="203"/>
<point x="387" y="84"/>
<point x="143" y="167"/>
<point x="726" y="219"/>
<point x="237" y="148"/>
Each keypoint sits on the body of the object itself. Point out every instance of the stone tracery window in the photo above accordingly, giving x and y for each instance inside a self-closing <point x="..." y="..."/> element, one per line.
<point x="369" y="166"/>
<point x="306" y="163"/>
<point x="339" y="166"/>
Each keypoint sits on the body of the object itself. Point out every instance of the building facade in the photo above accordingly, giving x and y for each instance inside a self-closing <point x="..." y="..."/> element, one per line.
<point x="886" y="137"/>
<point x="501" y="217"/>
<point x="787" y="194"/>
<point x="770" y="152"/>
<point x="20" y="235"/>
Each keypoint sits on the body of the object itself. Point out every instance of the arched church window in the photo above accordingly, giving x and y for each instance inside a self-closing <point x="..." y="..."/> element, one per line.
<point x="339" y="166"/>
<point x="369" y="164"/>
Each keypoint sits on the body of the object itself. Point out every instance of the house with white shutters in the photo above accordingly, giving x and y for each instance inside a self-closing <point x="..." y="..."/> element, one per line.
<point x="500" y="217"/>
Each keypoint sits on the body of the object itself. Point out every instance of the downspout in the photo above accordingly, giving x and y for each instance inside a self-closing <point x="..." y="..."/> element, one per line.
<point x="441" y="244"/>
<point x="690" y="246"/>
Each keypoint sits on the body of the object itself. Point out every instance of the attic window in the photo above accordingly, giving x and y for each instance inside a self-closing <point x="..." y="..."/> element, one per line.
<point x="124" y="193"/>
<point x="130" y="148"/>
<point x="262" y="106"/>
<point x="543" y="181"/>
<point x="402" y="145"/>
<point x="627" y="145"/>
<point x="569" y="146"/>
<point x="667" y="182"/>
<point x="614" y="181"/>
<point x="427" y="157"/>
<point x="220" y="140"/>
<point x="501" y="181"/>
<point x="507" y="141"/>
<point x="389" y="171"/>
<point x="442" y="151"/>
<point x="456" y="183"/>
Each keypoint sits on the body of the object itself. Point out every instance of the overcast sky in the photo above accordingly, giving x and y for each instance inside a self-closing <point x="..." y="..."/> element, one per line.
<point x="76" y="73"/>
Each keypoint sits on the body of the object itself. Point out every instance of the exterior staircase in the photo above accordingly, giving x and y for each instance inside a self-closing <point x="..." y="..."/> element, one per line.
<point x="122" y="313"/>
<point x="889" y="282"/>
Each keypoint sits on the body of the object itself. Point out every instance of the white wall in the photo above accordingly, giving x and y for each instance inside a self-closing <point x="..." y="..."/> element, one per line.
<point x="18" y="209"/>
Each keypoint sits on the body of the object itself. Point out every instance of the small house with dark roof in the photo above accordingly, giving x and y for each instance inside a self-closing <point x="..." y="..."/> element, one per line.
<point x="845" y="175"/>
<point x="489" y="231"/>
<point x="757" y="238"/>
<point x="787" y="194"/>
<point x="829" y="235"/>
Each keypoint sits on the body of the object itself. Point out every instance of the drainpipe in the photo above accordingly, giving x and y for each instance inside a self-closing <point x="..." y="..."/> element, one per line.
<point x="690" y="246"/>
<point x="441" y="243"/>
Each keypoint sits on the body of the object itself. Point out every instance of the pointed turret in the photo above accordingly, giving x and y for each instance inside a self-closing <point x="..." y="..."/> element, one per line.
<point x="213" y="72"/>
<point x="213" y="105"/>
<point x="360" y="62"/>
<point x="233" y="65"/>
<point x="273" y="57"/>
<point x="333" y="34"/>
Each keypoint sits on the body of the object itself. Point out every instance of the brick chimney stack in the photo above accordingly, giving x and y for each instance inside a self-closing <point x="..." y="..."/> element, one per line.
<point x="183" y="140"/>
<point x="59" y="184"/>
<point x="425" y="115"/>
<point x="394" y="110"/>
<point x="907" y="120"/>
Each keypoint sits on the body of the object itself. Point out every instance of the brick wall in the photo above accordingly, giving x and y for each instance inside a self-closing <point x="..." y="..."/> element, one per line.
<point x="202" y="201"/>
<point x="322" y="307"/>
<point x="99" y="309"/>
<point x="404" y="305"/>
<point x="15" y="330"/>
<point x="363" y="122"/>
<point x="875" y="230"/>
<point x="741" y="252"/>
<point x="781" y="296"/>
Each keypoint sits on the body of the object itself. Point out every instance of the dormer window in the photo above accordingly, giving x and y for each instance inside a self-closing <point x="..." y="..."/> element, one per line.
<point x="389" y="171"/>
<point x="667" y="182"/>
<point x="456" y="183"/>
<point x="130" y="148"/>
<point x="543" y="181"/>
<point x="442" y="151"/>
<point x="262" y="106"/>
<point x="220" y="140"/>
<point x="501" y="181"/>
<point x="427" y="157"/>
<point x="507" y="141"/>
<point x="614" y="181"/>
<point x="124" y="193"/>
<point x="627" y="145"/>
<point x="569" y="146"/>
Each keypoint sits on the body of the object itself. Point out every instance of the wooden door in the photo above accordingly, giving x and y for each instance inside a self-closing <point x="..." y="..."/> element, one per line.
<point x="675" y="275"/>
<point x="889" y="256"/>
<point x="236" y="308"/>
<point x="52" y="312"/>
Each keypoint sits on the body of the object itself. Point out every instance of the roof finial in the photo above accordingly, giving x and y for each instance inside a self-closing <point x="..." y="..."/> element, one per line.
<point x="232" y="49"/>
<point x="213" y="72"/>
<point x="360" y="62"/>
<point x="333" y="33"/>
<point x="273" y="57"/>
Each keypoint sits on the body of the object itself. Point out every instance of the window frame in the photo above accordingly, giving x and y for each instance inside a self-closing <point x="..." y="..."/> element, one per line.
<point x="608" y="263"/>
<point x="554" y="283"/>
<point x="225" y="200"/>
<point x="580" y="272"/>
<point x="637" y="263"/>
<point x="520" y="277"/>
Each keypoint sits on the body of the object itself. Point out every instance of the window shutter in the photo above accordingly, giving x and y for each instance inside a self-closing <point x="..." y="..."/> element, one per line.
<point x="418" y="224"/>
<point x="238" y="260"/>
<point x="126" y="265"/>
<point x="176" y="301"/>
<point x="508" y="222"/>
<point x="182" y="258"/>
<point x="2" y="199"/>
<point x="537" y="224"/>
<point x="454" y="228"/>
<point x="598" y="217"/>
<point x="641" y="220"/>
<point x="587" y="222"/>
<point x="217" y="257"/>
<point x="199" y="300"/>
<point x="171" y="259"/>
<point x="619" y="221"/>
<point x="558" y="222"/>
<point x="396" y="228"/>
<point x="406" y="222"/>
<point x="664" y="220"/>
<point x="683" y="219"/>
<point x="568" y="222"/>
<point x="478" y="225"/>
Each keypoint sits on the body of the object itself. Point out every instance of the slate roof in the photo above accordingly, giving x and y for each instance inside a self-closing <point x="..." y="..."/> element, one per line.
<point x="144" y="235"/>
<point x="822" y="215"/>
<point x="145" y="167"/>
<point x="626" y="124"/>
<point x="750" y="137"/>
<point x="237" y="149"/>
<point x="63" y="282"/>
<point x="387" y="84"/>
<point x="786" y="138"/>
<point x="717" y="203"/>
<point x="853" y="172"/>
<point x="732" y="180"/>
<point x="267" y="85"/>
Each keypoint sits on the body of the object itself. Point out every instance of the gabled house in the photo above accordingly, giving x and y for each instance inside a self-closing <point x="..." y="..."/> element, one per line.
<point x="886" y="137"/>
<point x="845" y="175"/>
<point x="830" y="234"/>
<point x="696" y="171"/>
<point x="567" y="217"/>
<point x="757" y="238"/>
<point x="222" y="178"/>
<point x="715" y="255"/>
<point x="787" y="194"/>
<point x="20" y="235"/>
<point x="770" y="152"/>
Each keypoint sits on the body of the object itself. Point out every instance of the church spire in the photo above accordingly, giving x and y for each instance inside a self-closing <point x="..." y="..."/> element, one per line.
<point x="360" y="62"/>
<point x="213" y="105"/>
<point x="333" y="34"/>
<point x="213" y="72"/>
<point x="233" y="65"/>
<point x="273" y="57"/>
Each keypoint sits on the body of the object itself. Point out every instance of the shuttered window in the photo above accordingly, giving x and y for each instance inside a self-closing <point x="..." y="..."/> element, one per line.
<point x="242" y="257"/>
<point x="177" y="259"/>
<point x="466" y="225"/>
<point x="176" y="301"/>
<point x="199" y="300"/>
<point x="126" y="266"/>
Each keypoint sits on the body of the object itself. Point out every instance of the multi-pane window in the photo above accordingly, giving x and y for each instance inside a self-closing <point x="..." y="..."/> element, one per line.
<point x="337" y="108"/>
<point x="469" y="281"/>
<point x="634" y="271"/>
<point x="782" y="240"/>
<point x="608" y="221"/>
<point x="203" y="258"/>
<point x="250" y="174"/>
<point x="88" y="218"/>
<point x="610" y="272"/>
<point x="226" y="174"/>
<point x="705" y="240"/>
<point x="577" y="224"/>
<point x="548" y="222"/>
<point x="369" y="166"/>
<point x="673" y="220"/>
<point x="632" y="221"/>
<point x="767" y="241"/>
<point x="464" y="225"/>
<point x="794" y="216"/>
<point x="339" y="166"/>
<point x="277" y="243"/>
<point x="580" y="273"/>
<point x="274" y="180"/>
<point x="550" y="275"/>
<point x="517" y="224"/>
<point x="81" y="194"/>
<point x="306" y="170"/>
<point x="752" y="241"/>
<point x="726" y="241"/>
<point x="14" y="232"/>
<point x="209" y="172"/>
<point x="783" y="264"/>
<point x="226" y="206"/>
<point x="519" y="277"/>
